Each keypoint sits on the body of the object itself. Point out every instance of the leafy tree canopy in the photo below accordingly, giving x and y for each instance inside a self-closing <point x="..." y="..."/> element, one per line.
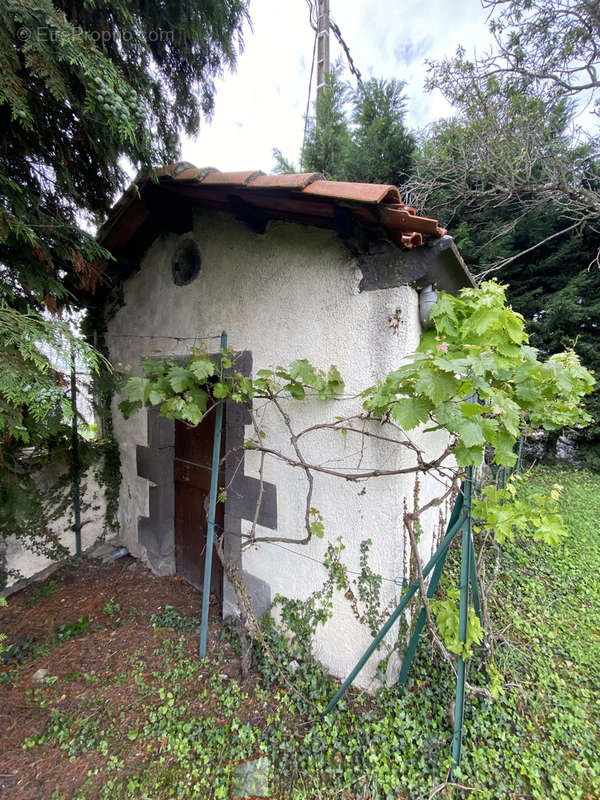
<point x="87" y="89"/>
<point x="327" y="144"/>
<point x="517" y="135"/>
<point x="553" y="42"/>
<point x="515" y="176"/>
<point x="508" y="148"/>
<point x="382" y="148"/>
<point x="545" y="252"/>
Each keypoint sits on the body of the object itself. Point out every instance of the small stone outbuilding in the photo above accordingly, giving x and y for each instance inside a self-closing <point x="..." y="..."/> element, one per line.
<point x="290" y="266"/>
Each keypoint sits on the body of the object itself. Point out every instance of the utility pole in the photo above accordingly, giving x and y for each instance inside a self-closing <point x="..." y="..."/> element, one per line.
<point x="322" y="44"/>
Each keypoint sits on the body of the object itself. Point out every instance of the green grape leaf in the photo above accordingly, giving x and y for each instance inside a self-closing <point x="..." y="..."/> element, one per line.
<point x="471" y="433"/>
<point x="335" y="381"/>
<point x="220" y="390"/>
<point x="199" y="396"/>
<point x="129" y="407"/>
<point x="436" y="385"/>
<point x="295" y="389"/>
<point x="136" y="389"/>
<point x="202" y="368"/>
<point x="467" y="456"/>
<point x="156" y="396"/>
<point x="191" y="413"/>
<point x="408" y="412"/>
<point x="303" y="370"/>
<point x="504" y="444"/>
<point x="153" y="367"/>
<point x="179" y="378"/>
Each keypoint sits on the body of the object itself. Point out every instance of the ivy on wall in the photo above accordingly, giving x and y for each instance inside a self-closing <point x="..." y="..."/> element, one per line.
<point x="36" y="428"/>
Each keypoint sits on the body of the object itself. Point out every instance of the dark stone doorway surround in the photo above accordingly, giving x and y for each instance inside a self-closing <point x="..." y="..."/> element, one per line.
<point x="156" y="532"/>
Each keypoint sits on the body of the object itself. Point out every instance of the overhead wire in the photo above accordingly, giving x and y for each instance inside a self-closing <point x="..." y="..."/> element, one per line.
<point x="352" y="66"/>
<point x="396" y="581"/>
<point x="306" y="117"/>
<point x="162" y="336"/>
<point x="313" y="22"/>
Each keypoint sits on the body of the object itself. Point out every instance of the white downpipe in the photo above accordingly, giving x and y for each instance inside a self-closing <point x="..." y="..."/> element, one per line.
<point x="427" y="300"/>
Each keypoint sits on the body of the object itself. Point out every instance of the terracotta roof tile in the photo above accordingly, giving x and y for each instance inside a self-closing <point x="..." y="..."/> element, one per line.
<point x="359" y="192"/>
<point x="294" y="180"/>
<point x="231" y="178"/>
<point x="174" y="169"/>
<point x="306" y="198"/>
<point x="406" y="220"/>
<point x="193" y="173"/>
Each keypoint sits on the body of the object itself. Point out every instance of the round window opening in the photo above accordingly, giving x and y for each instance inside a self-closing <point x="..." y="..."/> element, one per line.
<point x="186" y="262"/>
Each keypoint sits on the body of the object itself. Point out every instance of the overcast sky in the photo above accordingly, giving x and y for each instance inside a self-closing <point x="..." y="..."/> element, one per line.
<point x="262" y="104"/>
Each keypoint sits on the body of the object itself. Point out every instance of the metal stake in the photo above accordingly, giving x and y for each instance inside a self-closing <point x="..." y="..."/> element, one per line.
<point x="474" y="581"/>
<point x="463" y="625"/>
<point x="212" y="505"/>
<point x="433" y="583"/>
<point x="439" y="553"/>
<point x="519" y="455"/>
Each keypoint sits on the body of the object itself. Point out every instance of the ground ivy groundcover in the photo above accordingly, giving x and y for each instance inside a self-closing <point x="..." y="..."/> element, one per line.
<point x="139" y="717"/>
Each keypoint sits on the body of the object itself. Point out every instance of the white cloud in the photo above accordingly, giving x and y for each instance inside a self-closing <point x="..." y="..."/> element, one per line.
<point x="262" y="105"/>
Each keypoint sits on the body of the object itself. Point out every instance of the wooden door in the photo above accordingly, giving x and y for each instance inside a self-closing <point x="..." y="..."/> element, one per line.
<point x="193" y="462"/>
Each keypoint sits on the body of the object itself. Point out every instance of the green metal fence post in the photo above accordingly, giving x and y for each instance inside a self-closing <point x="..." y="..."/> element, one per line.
<point x="502" y="477"/>
<point x="463" y="626"/>
<point x="433" y="583"/>
<point x="439" y="553"/>
<point x="474" y="581"/>
<point x="519" y="456"/>
<point x="212" y="505"/>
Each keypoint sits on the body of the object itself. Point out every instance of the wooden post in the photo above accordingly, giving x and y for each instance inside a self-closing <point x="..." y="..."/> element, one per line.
<point x="322" y="44"/>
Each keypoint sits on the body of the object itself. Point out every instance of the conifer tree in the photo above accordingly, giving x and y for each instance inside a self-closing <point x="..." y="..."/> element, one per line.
<point x="327" y="144"/>
<point x="87" y="89"/>
<point x="357" y="134"/>
<point x="90" y="92"/>
<point x="381" y="149"/>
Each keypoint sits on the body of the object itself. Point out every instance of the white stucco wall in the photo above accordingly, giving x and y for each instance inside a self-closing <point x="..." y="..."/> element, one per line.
<point x="290" y="293"/>
<point x="20" y="556"/>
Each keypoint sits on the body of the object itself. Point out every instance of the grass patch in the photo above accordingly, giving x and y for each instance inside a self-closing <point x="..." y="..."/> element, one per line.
<point x="548" y="603"/>
<point x="166" y="725"/>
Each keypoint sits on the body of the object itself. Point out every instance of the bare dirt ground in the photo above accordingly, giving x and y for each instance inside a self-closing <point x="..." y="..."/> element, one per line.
<point x="119" y="600"/>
